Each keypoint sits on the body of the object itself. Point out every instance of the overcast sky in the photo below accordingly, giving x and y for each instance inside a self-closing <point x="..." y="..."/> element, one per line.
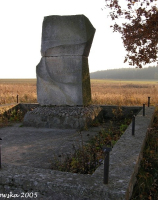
<point x="21" y="28"/>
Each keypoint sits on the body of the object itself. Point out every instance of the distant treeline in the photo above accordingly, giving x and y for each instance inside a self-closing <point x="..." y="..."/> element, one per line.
<point x="127" y="73"/>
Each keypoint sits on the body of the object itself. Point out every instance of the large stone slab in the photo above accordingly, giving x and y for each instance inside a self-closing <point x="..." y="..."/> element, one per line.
<point x="66" y="35"/>
<point x="63" y="72"/>
<point x="63" y="81"/>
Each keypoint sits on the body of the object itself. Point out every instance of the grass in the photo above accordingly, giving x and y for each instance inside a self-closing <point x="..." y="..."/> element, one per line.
<point x="118" y="92"/>
<point x="24" y="88"/>
<point x="109" y="92"/>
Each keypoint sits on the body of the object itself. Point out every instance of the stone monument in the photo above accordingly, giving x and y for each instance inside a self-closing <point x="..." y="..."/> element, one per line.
<point x="63" y="81"/>
<point x="63" y="72"/>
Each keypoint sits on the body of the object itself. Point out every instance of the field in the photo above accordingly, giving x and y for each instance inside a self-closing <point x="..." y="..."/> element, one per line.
<point x="24" y="88"/>
<point x="109" y="92"/>
<point x="120" y="92"/>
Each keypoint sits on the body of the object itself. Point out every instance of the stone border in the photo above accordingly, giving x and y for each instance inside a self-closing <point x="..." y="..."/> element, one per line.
<point x="50" y="184"/>
<point x="74" y="117"/>
<point x="126" y="156"/>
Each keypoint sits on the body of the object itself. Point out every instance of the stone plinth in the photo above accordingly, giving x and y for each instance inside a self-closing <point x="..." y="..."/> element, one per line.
<point x="76" y="117"/>
<point x="63" y="72"/>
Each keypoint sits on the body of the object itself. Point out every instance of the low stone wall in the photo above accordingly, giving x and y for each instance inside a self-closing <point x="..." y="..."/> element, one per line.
<point x="79" y="117"/>
<point x="109" y="112"/>
<point x="50" y="184"/>
<point x="7" y="109"/>
<point x="27" y="106"/>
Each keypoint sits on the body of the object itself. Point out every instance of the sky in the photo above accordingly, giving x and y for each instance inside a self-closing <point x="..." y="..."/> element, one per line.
<point x="21" y="29"/>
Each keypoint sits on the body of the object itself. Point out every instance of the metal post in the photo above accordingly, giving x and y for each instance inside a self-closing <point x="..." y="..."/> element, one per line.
<point x="17" y="98"/>
<point x="0" y="153"/>
<point x="106" y="151"/>
<point x="133" y="125"/>
<point x="143" y="109"/>
<point x="148" y="101"/>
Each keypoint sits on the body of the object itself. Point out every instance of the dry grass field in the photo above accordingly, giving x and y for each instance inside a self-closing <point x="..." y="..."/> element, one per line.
<point x="109" y="92"/>
<point x="24" y="88"/>
<point x="124" y="92"/>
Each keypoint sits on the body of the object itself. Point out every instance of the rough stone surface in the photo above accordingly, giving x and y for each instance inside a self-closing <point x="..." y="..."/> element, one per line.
<point x="66" y="35"/>
<point x="63" y="81"/>
<point x="75" y="117"/>
<point x="50" y="184"/>
<point x="63" y="72"/>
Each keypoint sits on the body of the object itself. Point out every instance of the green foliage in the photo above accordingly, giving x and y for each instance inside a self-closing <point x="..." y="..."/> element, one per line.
<point x="14" y="115"/>
<point x="123" y="127"/>
<point x="10" y="116"/>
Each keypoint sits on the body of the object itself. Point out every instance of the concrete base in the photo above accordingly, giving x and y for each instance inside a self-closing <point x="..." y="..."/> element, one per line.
<point x="75" y="117"/>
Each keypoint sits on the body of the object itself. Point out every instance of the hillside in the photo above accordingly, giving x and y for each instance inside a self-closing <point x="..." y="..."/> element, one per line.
<point x="127" y="73"/>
